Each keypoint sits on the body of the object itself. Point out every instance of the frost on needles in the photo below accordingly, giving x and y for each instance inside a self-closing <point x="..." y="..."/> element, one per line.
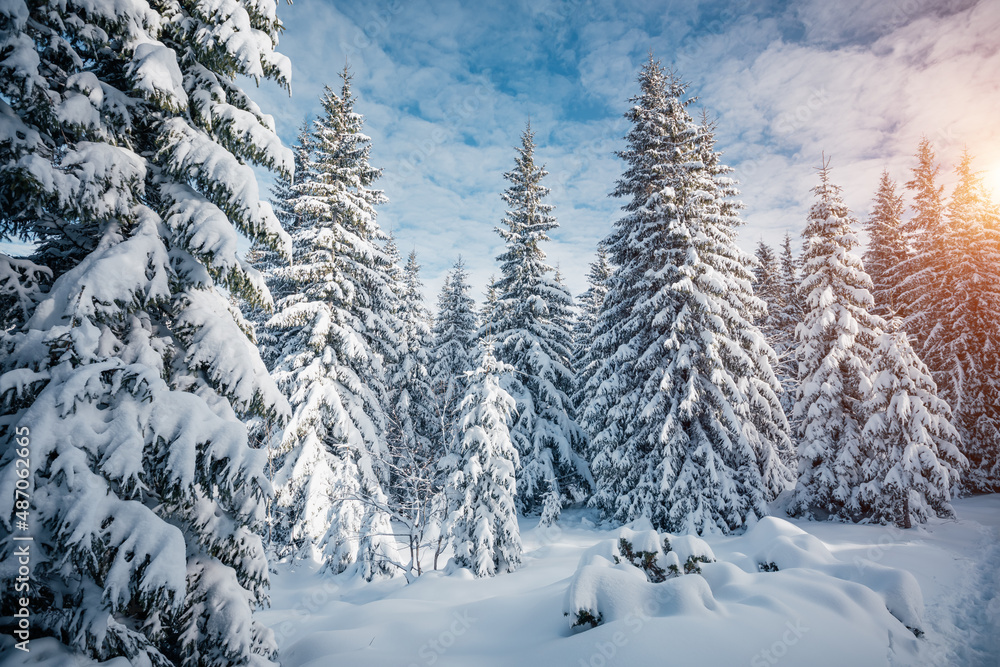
<point x="685" y="417"/>
<point x="125" y="152"/>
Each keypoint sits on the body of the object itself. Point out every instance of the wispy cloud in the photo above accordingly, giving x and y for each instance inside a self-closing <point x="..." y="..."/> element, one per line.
<point x="448" y="86"/>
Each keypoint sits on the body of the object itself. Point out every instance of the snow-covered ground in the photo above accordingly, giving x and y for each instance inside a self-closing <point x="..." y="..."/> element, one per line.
<point x="815" y="613"/>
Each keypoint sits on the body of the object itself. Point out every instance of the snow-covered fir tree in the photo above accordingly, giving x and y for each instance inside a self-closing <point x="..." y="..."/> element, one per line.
<point x="783" y="317"/>
<point x="911" y="467"/>
<point x="533" y="336"/>
<point x="413" y="420"/>
<point x="330" y="476"/>
<point x="917" y="278"/>
<point x="767" y="274"/>
<point x="452" y="354"/>
<point x="685" y="418"/>
<point x="412" y="417"/>
<point x="835" y="339"/>
<point x="125" y="152"/>
<point x="887" y="247"/>
<point x="792" y="304"/>
<point x="963" y="348"/>
<point x="483" y="488"/>
<point x="767" y="285"/>
<point x="589" y="303"/>
<point x="771" y="284"/>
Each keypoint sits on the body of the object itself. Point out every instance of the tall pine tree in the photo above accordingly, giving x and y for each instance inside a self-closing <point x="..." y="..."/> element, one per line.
<point x="911" y="465"/>
<point x="590" y="304"/>
<point x="330" y="473"/>
<point x="835" y="340"/>
<point x="452" y="354"/>
<point x="964" y="351"/>
<point x="918" y="278"/>
<point x="483" y="488"/>
<point x="887" y="247"/>
<point x="412" y="413"/>
<point x="125" y="152"/>
<point x="533" y="337"/>
<point x="686" y="420"/>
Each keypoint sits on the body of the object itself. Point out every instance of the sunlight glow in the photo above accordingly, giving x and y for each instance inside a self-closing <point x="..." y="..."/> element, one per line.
<point x="991" y="180"/>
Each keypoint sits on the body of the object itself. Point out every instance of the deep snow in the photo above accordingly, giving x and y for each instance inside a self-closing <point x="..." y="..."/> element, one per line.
<point x="805" y="614"/>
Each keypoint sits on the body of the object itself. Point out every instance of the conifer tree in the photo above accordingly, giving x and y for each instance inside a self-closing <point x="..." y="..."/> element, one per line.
<point x="533" y="337"/>
<point x="835" y="340"/>
<point x="887" y="248"/>
<point x="767" y="286"/>
<point x="792" y="309"/>
<point x="125" y="152"/>
<point x="265" y="260"/>
<point x="452" y="354"/>
<point x="590" y="303"/>
<point x="685" y="419"/>
<point x="486" y="535"/>
<point x="329" y="323"/>
<point x="490" y="313"/>
<point x="412" y="414"/>
<point x="911" y="464"/>
<point x="782" y="319"/>
<point x="766" y="274"/>
<point x="918" y="278"/>
<point x="963" y="350"/>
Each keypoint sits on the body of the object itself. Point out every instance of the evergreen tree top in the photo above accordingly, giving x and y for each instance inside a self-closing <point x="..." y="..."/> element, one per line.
<point x="829" y="217"/>
<point x="928" y="197"/>
<point x="527" y="220"/>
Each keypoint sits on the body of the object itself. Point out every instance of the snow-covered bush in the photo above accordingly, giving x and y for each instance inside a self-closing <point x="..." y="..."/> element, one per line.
<point x="639" y="574"/>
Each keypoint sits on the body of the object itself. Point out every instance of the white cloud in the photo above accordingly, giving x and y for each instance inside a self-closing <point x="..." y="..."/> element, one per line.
<point x="447" y="88"/>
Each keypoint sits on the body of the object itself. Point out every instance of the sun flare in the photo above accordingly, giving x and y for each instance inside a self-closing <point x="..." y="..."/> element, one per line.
<point x="991" y="179"/>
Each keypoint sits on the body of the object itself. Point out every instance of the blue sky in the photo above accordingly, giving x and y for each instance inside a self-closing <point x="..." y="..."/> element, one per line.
<point x="447" y="87"/>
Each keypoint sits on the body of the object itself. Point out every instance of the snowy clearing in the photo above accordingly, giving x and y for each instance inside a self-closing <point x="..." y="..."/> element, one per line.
<point x="800" y="615"/>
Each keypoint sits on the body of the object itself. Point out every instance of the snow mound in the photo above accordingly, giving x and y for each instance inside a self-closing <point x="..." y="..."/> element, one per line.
<point x="774" y="543"/>
<point x="777" y="570"/>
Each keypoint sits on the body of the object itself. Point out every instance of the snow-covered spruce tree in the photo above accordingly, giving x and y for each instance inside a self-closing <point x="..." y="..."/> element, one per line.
<point x="767" y="274"/>
<point x="534" y="338"/>
<point x="685" y="418"/>
<point x="782" y="318"/>
<point x="124" y="150"/>
<point x="835" y="339"/>
<point x="918" y="279"/>
<point x="771" y="284"/>
<point x="911" y="464"/>
<point x="328" y="462"/>
<point x="767" y="286"/>
<point x="264" y="433"/>
<point x="963" y="351"/>
<point x="264" y="259"/>
<point x="413" y="456"/>
<point x="452" y="354"/>
<point x="887" y="247"/>
<point x="589" y="303"/>
<point x="483" y="488"/>
<point x="793" y="308"/>
<point x="412" y="416"/>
